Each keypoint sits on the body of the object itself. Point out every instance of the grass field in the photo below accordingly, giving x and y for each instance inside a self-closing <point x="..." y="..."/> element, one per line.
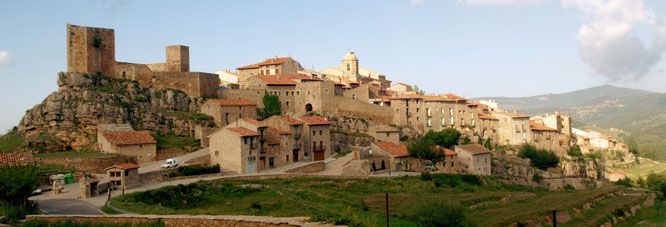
<point x="10" y="141"/>
<point x="360" y="202"/>
<point x="653" y="216"/>
<point x="646" y="167"/>
<point x="170" y="141"/>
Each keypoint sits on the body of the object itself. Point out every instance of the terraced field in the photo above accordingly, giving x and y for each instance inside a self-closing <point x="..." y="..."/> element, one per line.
<point x="362" y="201"/>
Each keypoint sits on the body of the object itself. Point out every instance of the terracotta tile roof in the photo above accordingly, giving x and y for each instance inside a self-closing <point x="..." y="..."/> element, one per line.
<point x="298" y="76"/>
<point x="124" y="166"/>
<point x="407" y="96"/>
<point x="473" y="148"/>
<point x="514" y="115"/>
<point x="536" y="126"/>
<point x="486" y="117"/>
<point x="277" y="130"/>
<point x="404" y="84"/>
<point x="272" y="141"/>
<point x="129" y="137"/>
<point x="446" y="151"/>
<point x="473" y="104"/>
<point x="244" y="132"/>
<point x="270" y="61"/>
<point x="252" y="121"/>
<point x="277" y="80"/>
<point x="444" y="98"/>
<point x="236" y="102"/>
<point x="16" y="158"/>
<point x="392" y="148"/>
<point x="291" y="120"/>
<point x="315" y="120"/>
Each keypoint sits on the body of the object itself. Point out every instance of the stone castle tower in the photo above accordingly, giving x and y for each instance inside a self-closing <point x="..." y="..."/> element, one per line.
<point x="350" y="66"/>
<point x="91" y="50"/>
<point x="177" y="58"/>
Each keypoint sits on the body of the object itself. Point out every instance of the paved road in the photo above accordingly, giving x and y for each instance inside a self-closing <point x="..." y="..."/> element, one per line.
<point x="67" y="206"/>
<point x="153" y="166"/>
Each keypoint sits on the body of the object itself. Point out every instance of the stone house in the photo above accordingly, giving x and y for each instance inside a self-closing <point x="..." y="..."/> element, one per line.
<point x="235" y="149"/>
<point x="513" y="128"/>
<point x="385" y="133"/>
<point x="294" y="128"/>
<point x="124" y="176"/>
<point x="396" y="153"/>
<point x="544" y="137"/>
<point x="433" y="112"/>
<point x="400" y="88"/>
<point x="138" y="144"/>
<point x="450" y="164"/>
<point x="271" y="66"/>
<point x="316" y="138"/>
<point x="225" y="111"/>
<point x="475" y="159"/>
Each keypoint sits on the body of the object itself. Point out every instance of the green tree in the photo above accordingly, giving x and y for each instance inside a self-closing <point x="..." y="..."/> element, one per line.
<point x="446" y="138"/>
<point x="271" y="107"/>
<point x="488" y="144"/>
<point x="423" y="149"/>
<point x="539" y="158"/>
<point x="17" y="184"/>
<point x="575" y="151"/>
<point x="466" y="140"/>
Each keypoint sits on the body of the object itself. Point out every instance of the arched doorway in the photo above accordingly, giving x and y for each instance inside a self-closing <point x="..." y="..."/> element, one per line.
<point x="308" y="107"/>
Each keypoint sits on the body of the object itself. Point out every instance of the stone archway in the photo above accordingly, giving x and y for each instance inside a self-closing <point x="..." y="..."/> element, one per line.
<point x="308" y="107"/>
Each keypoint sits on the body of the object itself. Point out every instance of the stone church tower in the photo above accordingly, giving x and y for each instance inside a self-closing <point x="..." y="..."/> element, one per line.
<point x="350" y="66"/>
<point x="91" y="50"/>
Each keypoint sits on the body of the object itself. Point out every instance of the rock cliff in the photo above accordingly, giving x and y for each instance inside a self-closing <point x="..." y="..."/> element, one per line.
<point x="68" y="118"/>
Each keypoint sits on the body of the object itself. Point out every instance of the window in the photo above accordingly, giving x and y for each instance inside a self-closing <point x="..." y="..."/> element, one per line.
<point x="348" y="68"/>
<point x="217" y="153"/>
<point x="314" y="133"/>
<point x="451" y="111"/>
<point x="314" y="145"/>
<point x="443" y="121"/>
<point x="277" y="71"/>
<point x="387" y="134"/>
<point x="321" y="145"/>
<point x="287" y="103"/>
<point x="320" y="133"/>
<point x="245" y="140"/>
<point x="429" y="122"/>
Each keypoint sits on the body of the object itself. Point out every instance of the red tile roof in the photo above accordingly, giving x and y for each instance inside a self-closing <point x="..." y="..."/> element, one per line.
<point x="473" y="148"/>
<point x="124" y="166"/>
<point x="277" y="80"/>
<point x="408" y="96"/>
<point x="291" y="120"/>
<point x="270" y="61"/>
<point x="514" y="115"/>
<point x="392" y="148"/>
<point x="473" y="104"/>
<point x="236" y="102"/>
<point x="536" y="126"/>
<point x="486" y="117"/>
<point x="252" y="121"/>
<point x="129" y="137"/>
<point x="277" y="130"/>
<point x="272" y="141"/>
<point x="315" y="120"/>
<point x="446" y="151"/>
<point x="242" y="131"/>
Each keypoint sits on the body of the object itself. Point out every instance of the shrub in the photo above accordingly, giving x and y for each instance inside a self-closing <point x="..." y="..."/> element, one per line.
<point x="537" y="177"/>
<point x="539" y="158"/>
<point x="575" y="151"/>
<point x="471" y="179"/>
<point x="198" y="170"/>
<point x="624" y="182"/>
<point x="569" y="188"/>
<point x="439" y="214"/>
<point x="426" y="176"/>
<point x="271" y="107"/>
<point x="17" y="184"/>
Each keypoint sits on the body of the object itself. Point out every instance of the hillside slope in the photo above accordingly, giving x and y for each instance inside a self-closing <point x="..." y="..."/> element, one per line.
<point x="68" y="118"/>
<point x="642" y="114"/>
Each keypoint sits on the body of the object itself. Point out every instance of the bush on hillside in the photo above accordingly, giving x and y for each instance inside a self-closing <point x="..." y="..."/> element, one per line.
<point x="423" y="147"/>
<point x="17" y="184"/>
<point x="624" y="182"/>
<point x="539" y="158"/>
<point x="575" y="151"/>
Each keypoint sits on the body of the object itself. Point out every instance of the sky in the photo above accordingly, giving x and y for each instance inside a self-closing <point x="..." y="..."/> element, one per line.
<point x="473" y="48"/>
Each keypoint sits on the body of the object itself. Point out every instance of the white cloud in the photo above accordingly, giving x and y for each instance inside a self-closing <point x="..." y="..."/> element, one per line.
<point x="607" y="42"/>
<point x="4" y="58"/>
<point x="499" y="2"/>
<point x="416" y="2"/>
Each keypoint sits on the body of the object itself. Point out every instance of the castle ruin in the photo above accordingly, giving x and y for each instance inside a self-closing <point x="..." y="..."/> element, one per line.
<point x="92" y="50"/>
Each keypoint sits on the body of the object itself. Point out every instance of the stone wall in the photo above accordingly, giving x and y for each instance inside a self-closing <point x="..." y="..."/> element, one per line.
<point x="16" y="158"/>
<point x="90" y="50"/>
<point x="365" y="110"/>
<point x="254" y="95"/>
<point x="91" y="165"/>
<point x="314" y="167"/>
<point x="167" y="220"/>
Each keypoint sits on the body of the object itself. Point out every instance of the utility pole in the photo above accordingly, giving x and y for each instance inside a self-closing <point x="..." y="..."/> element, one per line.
<point x="387" y="211"/>
<point x="554" y="218"/>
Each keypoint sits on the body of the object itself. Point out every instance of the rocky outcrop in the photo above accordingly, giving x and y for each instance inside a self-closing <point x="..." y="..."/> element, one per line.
<point x="68" y="118"/>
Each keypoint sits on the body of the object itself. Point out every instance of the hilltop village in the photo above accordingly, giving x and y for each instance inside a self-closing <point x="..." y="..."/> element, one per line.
<point x="320" y="115"/>
<point x="148" y="129"/>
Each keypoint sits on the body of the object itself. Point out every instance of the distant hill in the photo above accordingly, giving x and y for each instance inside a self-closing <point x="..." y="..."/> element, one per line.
<point x="642" y="114"/>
